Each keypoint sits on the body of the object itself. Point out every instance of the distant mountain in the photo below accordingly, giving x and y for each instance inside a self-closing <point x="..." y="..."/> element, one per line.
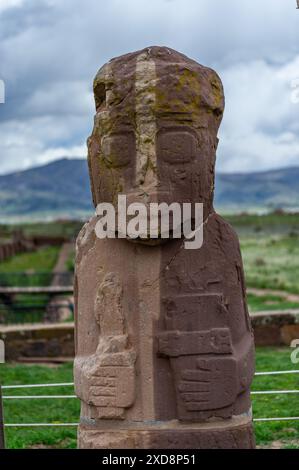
<point x="58" y="188"/>
<point x="272" y="189"/>
<point x="61" y="189"/>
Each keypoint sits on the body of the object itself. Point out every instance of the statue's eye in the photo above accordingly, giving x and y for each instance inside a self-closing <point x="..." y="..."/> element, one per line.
<point x="118" y="149"/>
<point x="176" y="146"/>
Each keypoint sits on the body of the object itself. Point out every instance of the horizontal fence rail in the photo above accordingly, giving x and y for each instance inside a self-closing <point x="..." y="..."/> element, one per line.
<point x="293" y="418"/>
<point x="37" y="290"/>
<point x="71" y="384"/>
<point x="36" y="397"/>
<point x="33" y="397"/>
<point x="27" y="425"/>
<point x="271" y="392"/>
<point x="10" y="387"/>
<point x="40" y="425"/>
<point x="277" y="372"/>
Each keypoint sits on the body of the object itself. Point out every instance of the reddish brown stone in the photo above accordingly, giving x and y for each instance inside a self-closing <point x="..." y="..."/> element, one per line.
<point x="162" y="332"/>
<point x="228" y="436"/>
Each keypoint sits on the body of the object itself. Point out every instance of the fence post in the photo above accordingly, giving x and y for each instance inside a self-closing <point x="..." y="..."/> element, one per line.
<point x="2" y="436"/>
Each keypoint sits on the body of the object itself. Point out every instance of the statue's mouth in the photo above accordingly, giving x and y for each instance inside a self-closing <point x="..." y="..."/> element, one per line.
<point x="161" y="239"/>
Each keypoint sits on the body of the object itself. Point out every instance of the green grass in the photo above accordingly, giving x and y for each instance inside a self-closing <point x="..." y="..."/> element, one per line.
<point x="286" y="405"/>
<point x="59" y="411"/>
<point x="67" y="229"/>
<point x="39" y="411"/>
<point x="42" y="260"/>
<point x="26" y="308"/>
<point x="277" y="222"/>
<point x="38" y="265"/>
<point x="70" y="264"/>
<point x="271" y="263"/>
<point x="269" y="302"/>
<point x="270" y="250"/>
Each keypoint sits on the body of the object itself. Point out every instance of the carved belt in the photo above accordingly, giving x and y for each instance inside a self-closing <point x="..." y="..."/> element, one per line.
<point x="185" y="343"/>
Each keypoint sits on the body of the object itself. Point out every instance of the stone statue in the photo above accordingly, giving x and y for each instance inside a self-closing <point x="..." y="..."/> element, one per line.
<point x="164" y="346"/>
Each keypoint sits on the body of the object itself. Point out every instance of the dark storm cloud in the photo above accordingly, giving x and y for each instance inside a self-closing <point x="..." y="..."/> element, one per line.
<point x="51" y="49"/>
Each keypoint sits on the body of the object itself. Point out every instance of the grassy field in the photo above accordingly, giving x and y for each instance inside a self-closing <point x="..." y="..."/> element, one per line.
<point x="27" y="269"/>
<point x="271" y="263"/>
<point x="46" y="411"/>
<point x="40" y="261"/>
<point x="270" y="249"/>
<point x="269" y="302"/>
<point x="274" y="222"/>
<point x="67" y="229"/>
<point x="269" y="243"/>
<point x="280" y="434"/>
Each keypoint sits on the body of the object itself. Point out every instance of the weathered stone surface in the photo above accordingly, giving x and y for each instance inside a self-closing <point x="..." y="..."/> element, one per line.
<point x="169" y="326"/>
<point x="38" y="340"/>
<point x="275" y="328"/>
<point x="235" y="434"/>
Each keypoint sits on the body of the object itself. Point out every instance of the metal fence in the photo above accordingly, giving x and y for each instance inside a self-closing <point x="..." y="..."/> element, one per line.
<point x="4" y="425"/>
<point x="2" y="440"/>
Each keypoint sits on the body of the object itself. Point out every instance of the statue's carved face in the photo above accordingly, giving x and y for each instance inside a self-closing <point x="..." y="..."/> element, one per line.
<point x="155" y="132"/>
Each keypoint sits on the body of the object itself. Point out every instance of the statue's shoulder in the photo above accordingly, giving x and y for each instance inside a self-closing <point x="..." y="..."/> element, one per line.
<point x="223" y="230"/>
<point x="86" y="238"/>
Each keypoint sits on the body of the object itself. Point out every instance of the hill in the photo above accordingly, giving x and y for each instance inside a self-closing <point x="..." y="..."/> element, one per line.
<point x="61" y="189"/>
<point x="274" y="189"/>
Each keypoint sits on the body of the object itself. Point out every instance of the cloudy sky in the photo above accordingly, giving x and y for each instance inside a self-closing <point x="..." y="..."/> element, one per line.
<point x="50" y="51"/>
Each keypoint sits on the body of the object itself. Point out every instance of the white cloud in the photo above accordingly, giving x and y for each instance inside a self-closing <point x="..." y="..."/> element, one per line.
<point x="5" y="4"/>
<point x="39" y="140"/>
<point x="66" y="97"/>
<point x="260" y="127"/>
<point x="50" y="51"/>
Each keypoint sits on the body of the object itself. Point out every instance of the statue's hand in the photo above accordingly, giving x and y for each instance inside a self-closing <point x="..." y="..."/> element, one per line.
<point x="212" y="385"/>
<point x="106" y="379"/>
<point x="111" y="386"/>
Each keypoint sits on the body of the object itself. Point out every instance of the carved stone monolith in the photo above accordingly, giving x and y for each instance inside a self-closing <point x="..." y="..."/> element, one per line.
<point x="164" y="346"/>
